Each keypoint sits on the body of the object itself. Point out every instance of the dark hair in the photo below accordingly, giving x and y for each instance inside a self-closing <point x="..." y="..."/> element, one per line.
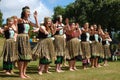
<point x="57" y="18"/>
<point x="23" y="11"/>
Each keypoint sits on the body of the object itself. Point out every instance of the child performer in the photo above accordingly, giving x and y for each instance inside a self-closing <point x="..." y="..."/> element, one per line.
<point x="9" y="53"/>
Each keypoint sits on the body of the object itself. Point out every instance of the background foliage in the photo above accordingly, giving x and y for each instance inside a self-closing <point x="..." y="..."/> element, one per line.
<point x="103" y="12"/>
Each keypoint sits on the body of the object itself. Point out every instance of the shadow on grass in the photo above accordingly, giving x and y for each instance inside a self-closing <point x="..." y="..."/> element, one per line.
<point x="33" y="69"/>
<point x="3" y="75"/>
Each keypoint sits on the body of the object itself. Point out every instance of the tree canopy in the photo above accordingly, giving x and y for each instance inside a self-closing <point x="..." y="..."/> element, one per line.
<point x="1" y="20"/>
<point x="103" y="12"/>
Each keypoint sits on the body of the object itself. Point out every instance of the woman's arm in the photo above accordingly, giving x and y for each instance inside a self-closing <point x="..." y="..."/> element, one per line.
<point x="14" y="27"/>
<point x="43" y="30"/>
<point x="57" y="29"/>
<point x="36" y="20"/>
<point x="79" y="32"/>
<point x="54" y="28"/>
<point x="36" y="30"/>
<point x="1" y="30"/>
<point x="6" y="28"/>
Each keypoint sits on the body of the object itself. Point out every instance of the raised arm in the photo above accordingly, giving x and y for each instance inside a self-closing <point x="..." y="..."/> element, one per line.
<point x="36" y="20"/>
<point x="78" y="29"/>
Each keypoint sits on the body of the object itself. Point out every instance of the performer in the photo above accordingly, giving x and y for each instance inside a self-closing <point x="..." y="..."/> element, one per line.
<point x="80" y="49"/>
<point x="9" y="53"/>
<point x="15" y="23"/>
<point x="106" y="44"/>
<point x="45" y="47"/>
<point x="15" y="37"/>
<point x="94" y="46"/>
<point x="23" y="44"/>
<point x="72" y="34"/>
<point x="85" y="45"/>
<point x="59" y="43"/>
<point x="100" y="46"/>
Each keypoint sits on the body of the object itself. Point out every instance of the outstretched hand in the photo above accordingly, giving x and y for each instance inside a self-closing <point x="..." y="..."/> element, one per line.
<point x="67" y="21"/>
<point x="77" y="25"/>
<point x="35" y="14"/>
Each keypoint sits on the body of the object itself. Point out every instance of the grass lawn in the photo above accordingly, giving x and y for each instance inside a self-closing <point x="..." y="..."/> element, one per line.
<point x="111" y="72"/>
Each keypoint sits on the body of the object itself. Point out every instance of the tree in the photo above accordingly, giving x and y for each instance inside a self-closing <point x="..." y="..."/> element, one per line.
<point x="1" y="20"/>
<point x="103" y="12"/>
<point x="58" y="11"/>
<point x="82" y="9"/>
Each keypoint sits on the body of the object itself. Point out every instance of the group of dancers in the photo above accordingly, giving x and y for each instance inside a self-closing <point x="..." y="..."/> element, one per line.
<point x="57" y="41"/>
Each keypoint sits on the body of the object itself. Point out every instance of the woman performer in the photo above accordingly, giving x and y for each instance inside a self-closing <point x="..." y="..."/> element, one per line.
<point x="59" y="43"/>
<point x="94" y="46"/>
<point x="23" y="44"/>
<point x="100" y="46"/>
<point x="106" y="44"/>
<point x="45" y="47"/>
<point x="15" y="37"/>
<point x="85" y="45"/>
<point x="72" y="34"/>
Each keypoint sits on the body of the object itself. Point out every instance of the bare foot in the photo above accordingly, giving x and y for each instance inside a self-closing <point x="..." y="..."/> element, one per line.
<point x="12" y="72"/>
<point x="75" y="68"/>
<point x="71" y="69"/>
<point x="92" y="67"/>
<point x="48" y="72"/>
<point x="23" y="77"/>
<point x="8" y="73"/>
<point x="58" y="71"/>
<point x="87" y="68"/>
<point x="61" y="70"/>
<point x="99" y="66"/>
<point x="40" y="73"/>
<point x="27" y="76"/>
<point x="105" y="64"/>
<point x="16" y="66"/>
<point x="49" y="67"/>
<point x="84" y="68"/>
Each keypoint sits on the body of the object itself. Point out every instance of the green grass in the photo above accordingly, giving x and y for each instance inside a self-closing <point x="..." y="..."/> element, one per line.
<point x="111" y="72"/>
